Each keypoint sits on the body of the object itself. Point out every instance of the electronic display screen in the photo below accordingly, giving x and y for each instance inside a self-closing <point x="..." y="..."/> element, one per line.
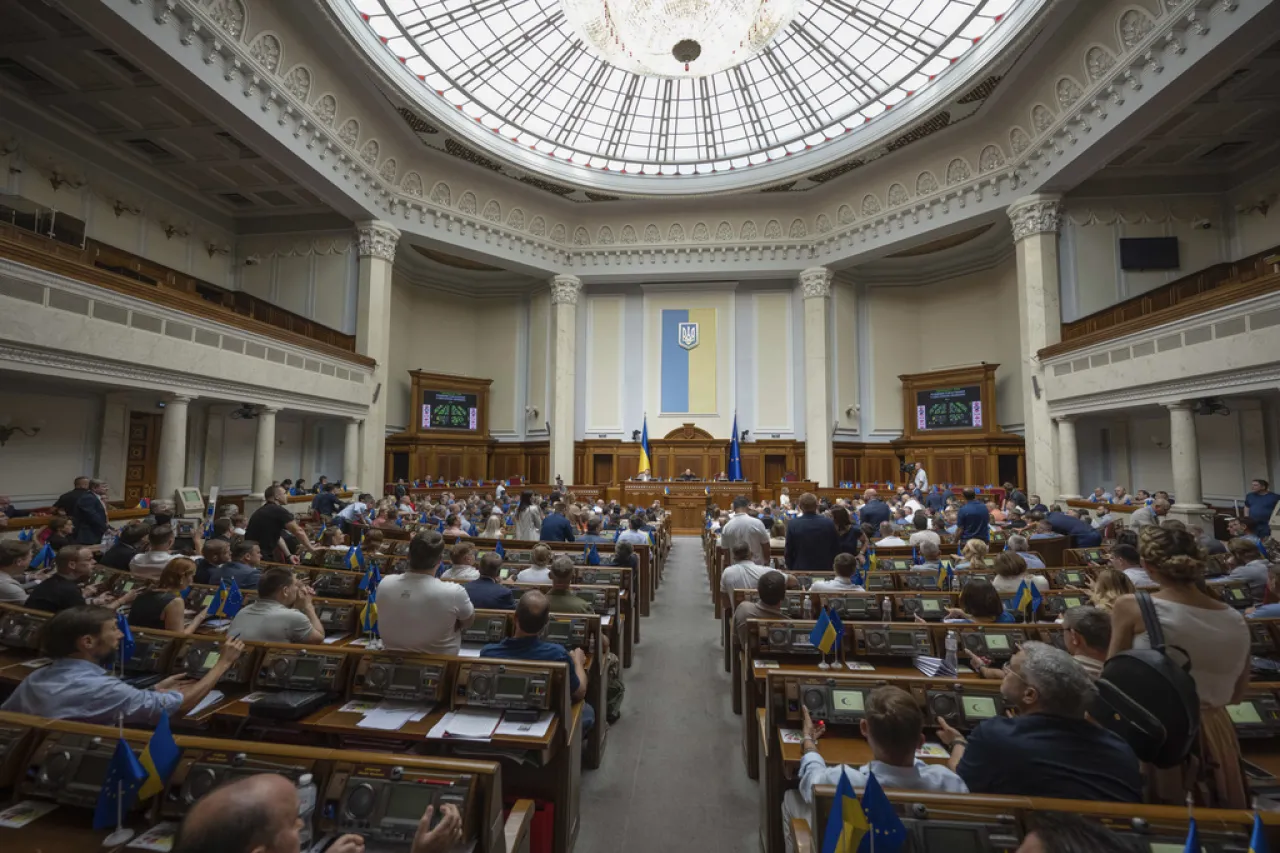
<point x="1169" y="847"/>
<point x="559" y="631"/>
<point x="1074" y="577"/>
<point x="902" y="638"/>
<point x="855" y="605"/>
<point x="953" y="839"/>
<point x="949" y="408"/>
<point x="847" y="700"/>
<point x="979" y="707"/>
<point x="1073" y="601"/>
<point x="449" y="410"/>
<point x="510" y="685"/>
<point x="1245" y="712"/>
<point x="408" y="801"/>
<point x="92" y="769"/>
<point x="997" y="641"/>
<point x="210" y="659"/>
<point x="306" y="667"/>
<point x="931" y="605"/>
<point x="1237" y="593"/>
<point x="403" y="676"/>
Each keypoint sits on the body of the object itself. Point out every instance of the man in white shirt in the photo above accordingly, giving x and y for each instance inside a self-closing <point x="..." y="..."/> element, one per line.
<point x="357" y="510"/>
<point x="922" y="532"/>
<point x="887" y="537"/>
<point x="150" y="563"/>
<point x="844" y="566"/>
<point x="743" y="574"/>
<point x="462" y="563"/>
<point x="418" y="612"/>
<point x="922" y="479"/>
<point x="744" y="528"/>
<point x="1126" y="559"/>
<point x="282" y="613"/>
<point x="911" y="505"/>
<point x="894" y="729"/>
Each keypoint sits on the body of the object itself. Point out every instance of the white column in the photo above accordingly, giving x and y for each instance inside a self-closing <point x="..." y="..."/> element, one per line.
<point x="351" y="455"/>
<point x="564" y="338"/>
<point x="1036" y="220"/>
<point x="264" y="451"/>
<point x="171" y="465"/>
<point x="306" y="470"/>
<point x="113" y="446"/>
<point x="815" y="286"/>
<point x="197" y="436"/>
<point x="1184" y="452"/>
<point x="376" y="242"/>
<point x="1068" y="458"/>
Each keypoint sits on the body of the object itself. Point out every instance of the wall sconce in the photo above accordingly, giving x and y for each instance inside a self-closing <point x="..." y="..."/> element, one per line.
<point x="531" y="411"/>
<point x="252" y="261"/>
<point x="7" y="430"/>
<point x="171" y="231"/>
<point x="120" y="207"/>
<point x="215" y="249"/>
<point x="57" y="179"/>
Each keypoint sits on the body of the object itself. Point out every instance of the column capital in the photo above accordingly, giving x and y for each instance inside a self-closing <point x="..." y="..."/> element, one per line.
<point x="565" y="289"/>
<point x="182" y="399"/>
<point x="1065" y="419"/>
<point x="815" y="283"/>
<point x="1035" y="214"/>
<point x="377" y="240"/>
<point x="270" y="410"/>
<point x="352" y="421"/>
<point x="1179" y="405"/>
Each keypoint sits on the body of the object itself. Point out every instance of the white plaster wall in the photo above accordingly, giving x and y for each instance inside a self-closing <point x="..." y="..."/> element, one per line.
<point x="313" y="275"/>
<point x="602" y="361"/>
<point x="539" y="360"/>
<point x="776" y="352"/>
<point x="35" y="470"/>
<point x="844" y="354"/>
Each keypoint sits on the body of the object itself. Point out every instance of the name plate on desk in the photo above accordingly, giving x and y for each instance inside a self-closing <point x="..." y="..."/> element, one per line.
<point x="398" y="677"/>
<point x="299" y="669"/>
<point x="197" y="656"/>
<point x="21" y="630"/>
<point x="497" y="685"/>
<point x="386" y="802"/>
<point x="199" y="772"/>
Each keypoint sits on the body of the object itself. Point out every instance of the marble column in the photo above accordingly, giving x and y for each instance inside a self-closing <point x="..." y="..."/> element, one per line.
<point x="172" y="458"/>
<point x="564" y="337"/>
<point x="264" y="451"/>
<point x="1184" y="453"/>
<point x="815" y="287"/>
<point x="197" y="436"/>
<point x="351" y="453"/>
<point x="376" y="244"/>
<point x="1068" y="459"/>
<point x="306" y="469"/>
<point x="1036" y="220"/>
<point x="113" y="446"/>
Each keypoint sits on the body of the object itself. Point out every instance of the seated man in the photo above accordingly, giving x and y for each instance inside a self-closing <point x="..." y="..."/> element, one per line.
<point x="151" y="562"/>
<point x="1125" y="558"/>
<point x="82" y="641"/>
<point x="1049" y="748"/>
<point x="215" y="553"/>
<point x="462" y="563"/>
<point x="561" y="598"/>
<point x="15" y="557"/>
<point x="894" y="729"/>
<point x="61" y="590"/>
<point x="1250" y="565"/>
<point x="241" y="568"/>
<point x="487" y="592"/>
<point x="742" y="574"/>
<point x="594" y="525"/>
<point x="259" y="814"/>
<point x="418" y="612"/>
<point x="1087" y="636"/>
<point x="127" y="546"/>
<point x="930" y="557"/>
<point x="845" y="565"/>
<point x="283" y="612"/>
<point x="635" y="534"/>
<point x="688" y="474"/>
<point x="532" y="614"/>
<point x="772" y="589"/>
<point x="888" y="538"/>
<point x="1019" y="544"/>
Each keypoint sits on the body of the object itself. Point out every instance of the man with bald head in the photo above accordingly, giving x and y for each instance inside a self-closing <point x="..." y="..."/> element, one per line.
<point x="875" y="511"/>
<point x="259" y="814"/>
<point x="533" y="611"/>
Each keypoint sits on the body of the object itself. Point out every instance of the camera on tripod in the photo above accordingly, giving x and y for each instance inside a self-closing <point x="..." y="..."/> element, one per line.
<point x="907" y="468"/>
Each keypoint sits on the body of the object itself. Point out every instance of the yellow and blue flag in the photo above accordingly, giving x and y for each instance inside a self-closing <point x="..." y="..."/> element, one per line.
<point x="837" y="624"/>
<point x="227" y="601"/>
<point x="1193" y="839"/>
<point x="159" y="759"/>
<point x="369" y="613"/>
<point x="119" y="788"/>
<point x="646" y="458"/>
<point x="44" y="558"/>
<point x="355" y="558"/>
<point x="823" y="634"/>
<point x="1028" y="595"/>
<point x="887" y="832"/>
<point x="945" y="575"/>
<point x="847" y="824"/>
<point x="499" y="550"/>
<point x="688" y="376"/>
<point x="1258" y="841"/>
<point x="25" y="535"/>
<point x="372" y="577"/>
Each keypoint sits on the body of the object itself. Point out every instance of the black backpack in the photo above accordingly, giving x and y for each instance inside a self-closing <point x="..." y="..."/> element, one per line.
<point x="1149" y="699"/>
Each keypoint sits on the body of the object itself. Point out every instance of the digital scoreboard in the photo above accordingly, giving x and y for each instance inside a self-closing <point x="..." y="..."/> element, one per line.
<point x="949" y="408"/>
<point x="449" y="410"/>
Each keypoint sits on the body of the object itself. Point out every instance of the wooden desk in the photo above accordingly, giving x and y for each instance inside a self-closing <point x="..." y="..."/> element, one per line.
<point x="685" y="500"/>
<point x="64" y="830"/>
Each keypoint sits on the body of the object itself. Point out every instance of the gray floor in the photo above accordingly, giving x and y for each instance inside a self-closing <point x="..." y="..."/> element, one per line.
<point x="673" y="779"/>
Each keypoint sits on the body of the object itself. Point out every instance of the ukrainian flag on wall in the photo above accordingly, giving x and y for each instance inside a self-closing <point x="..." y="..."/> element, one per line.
<point x="689" y="360"/>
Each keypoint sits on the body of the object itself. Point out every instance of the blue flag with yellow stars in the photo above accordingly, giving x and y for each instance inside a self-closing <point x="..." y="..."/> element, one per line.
<point x="119" y="788"/>
<point x="1258" y="841"/>
<point x="592" y="555"/>
<point x="887" y="832"/>
<point x="126" y="638"/>
<point x="369" y="613"/>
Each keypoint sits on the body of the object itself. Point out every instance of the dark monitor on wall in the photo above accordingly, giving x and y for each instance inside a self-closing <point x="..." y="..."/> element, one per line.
<point x="1149" y="253"/>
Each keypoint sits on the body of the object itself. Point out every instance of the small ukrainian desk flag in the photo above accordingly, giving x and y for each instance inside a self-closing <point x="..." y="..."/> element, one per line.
<point x="1028" y="595"/>
<point x="847" y="824"/>
<point x="159" y="759"/>
<point x="824" y="634"/>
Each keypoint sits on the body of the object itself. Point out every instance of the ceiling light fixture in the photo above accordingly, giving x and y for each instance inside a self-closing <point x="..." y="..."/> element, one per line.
<point x="678" y="38"/>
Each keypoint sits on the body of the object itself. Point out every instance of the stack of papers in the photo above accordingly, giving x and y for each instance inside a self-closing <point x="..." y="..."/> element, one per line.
<point x="388" y="715"/>
<point x="467" y="724"/>
<point x="158" y="838"/>
<point x="211" y="699"/>
<point x="935" y="667"/>
<point x="537" y="728"/>
<point x="20" y="814"/>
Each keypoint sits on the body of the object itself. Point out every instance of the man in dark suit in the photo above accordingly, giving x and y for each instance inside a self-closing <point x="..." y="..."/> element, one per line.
<point x="688" y="474"/>
<point x="812" y="540"/>
<point x="89" y="514"/>
<point x="973" y="520"/>
<point x="66" y="501"/>
<point x="486" y="592"/>
<point x="555" y="527"/>
<point x="875" y="511"/>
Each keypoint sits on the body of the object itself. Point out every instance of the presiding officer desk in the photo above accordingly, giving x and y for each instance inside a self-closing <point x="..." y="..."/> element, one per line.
<point x="542" y="764"/>
<point x="375" y="793"/>
<point x="956" y="823"/>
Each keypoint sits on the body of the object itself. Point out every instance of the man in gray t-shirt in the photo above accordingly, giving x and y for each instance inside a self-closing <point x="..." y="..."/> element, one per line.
<point x="744" y="528"/>
<point x="283" y="612"/>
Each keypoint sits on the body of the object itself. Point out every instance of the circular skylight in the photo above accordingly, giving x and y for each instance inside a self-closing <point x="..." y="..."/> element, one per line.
<point x="532" y="89"/>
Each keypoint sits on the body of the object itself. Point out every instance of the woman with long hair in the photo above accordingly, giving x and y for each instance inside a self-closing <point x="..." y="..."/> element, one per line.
<point x="528" y="518"/>
<point x="1108" y="587"/>
<point x="162" y="606"/>
<point x="493" y="528"/>
<point x="1215" y="639"/>
<point x="850" y="537"/>
<point x="973" y="555"/>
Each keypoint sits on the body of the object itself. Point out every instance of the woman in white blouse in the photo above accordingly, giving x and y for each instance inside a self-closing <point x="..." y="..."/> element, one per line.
<point x="528" y="518"/>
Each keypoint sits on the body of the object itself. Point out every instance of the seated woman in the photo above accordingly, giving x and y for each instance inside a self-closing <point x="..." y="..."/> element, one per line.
<point x="1108" y="586"/>
<point x="979" y="604"/>
<point x="778" y="536"/>
<point x="493" y="527"/>
<point x="58" y="533"/>
<point x="539" y="570"/>
<point x="162" y="606"/>
<point x="973" y="555"/>
<point x="333" y="537"/>
<point x="1011" y="572"/>
<point x="453" y="526"/>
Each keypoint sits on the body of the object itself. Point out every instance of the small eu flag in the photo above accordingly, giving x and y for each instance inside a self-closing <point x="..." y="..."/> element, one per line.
<point x="499" y="550"/>
<point x="119" y="788"/>
<point x="887" y="830"/>
<point x="1258" y="841"/>
<point x="126" y="637"/>
<point x="592" y="555"/>
<point x="159" y="759"/>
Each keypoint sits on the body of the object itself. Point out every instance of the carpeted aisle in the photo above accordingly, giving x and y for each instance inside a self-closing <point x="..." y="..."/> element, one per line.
<point x="673" y="779"/>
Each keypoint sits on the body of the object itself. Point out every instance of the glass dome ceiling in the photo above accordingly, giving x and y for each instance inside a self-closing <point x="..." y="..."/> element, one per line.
<point x="515" y="77"/>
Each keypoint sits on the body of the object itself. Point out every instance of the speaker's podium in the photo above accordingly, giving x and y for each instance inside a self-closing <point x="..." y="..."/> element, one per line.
<point x="687" y="500"/>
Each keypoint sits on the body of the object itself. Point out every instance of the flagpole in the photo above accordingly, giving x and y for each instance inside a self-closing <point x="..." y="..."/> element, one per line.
<point x="120" y="835"/>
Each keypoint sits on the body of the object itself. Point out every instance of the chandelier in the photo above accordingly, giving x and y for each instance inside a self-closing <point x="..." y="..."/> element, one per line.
<point x="678" y="38"/>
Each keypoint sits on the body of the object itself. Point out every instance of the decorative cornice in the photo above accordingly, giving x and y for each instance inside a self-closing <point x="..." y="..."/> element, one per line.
<point x="815" y="283"/>
<point x="565" y="290"/>
<point x="377" y="240"/>
<point x="1036" y="214"/>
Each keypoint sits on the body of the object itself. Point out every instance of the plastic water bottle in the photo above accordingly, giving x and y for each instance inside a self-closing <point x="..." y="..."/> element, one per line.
<point x="953" y="645"/>
<point x="886" y="609"/>
<point x="306" y="808"/>
<point x="806" y="608"/>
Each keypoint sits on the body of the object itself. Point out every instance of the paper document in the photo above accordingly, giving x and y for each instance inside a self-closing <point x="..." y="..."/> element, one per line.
<point x="385" y="721"/>
<point x="467" y="724"/>
<point x="213" y="698"/>
<point x="20" y="814"/>
<point x="791" y="736"/>
<point x="469" y="652"/>
<point x="536" y="729"/>
<point x="36" y="663"/>
<point x="933" y="750"/>
<point x="334" y="638"/>
<point x="158" y="838"/>
<point x="934" y="667"/>
<point x="358" y="706"/>
<point x="606" y="620"/>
